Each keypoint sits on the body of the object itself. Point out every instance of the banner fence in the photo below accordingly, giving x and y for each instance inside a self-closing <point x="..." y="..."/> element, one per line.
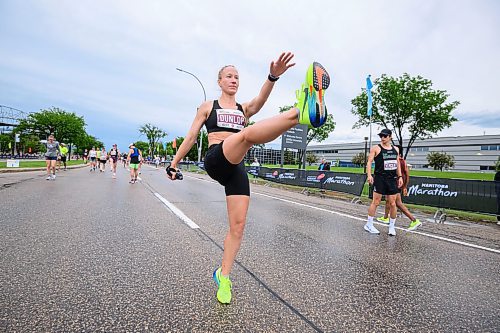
<point x="328" y="180"/>
<point x="479" y="196"/>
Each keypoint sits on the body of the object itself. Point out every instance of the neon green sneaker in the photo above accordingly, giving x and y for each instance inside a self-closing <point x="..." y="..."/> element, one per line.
<point x="302" y="105"/>
<point x="414" y="224"/>
<point x="311" y="96"/>
<point x="383" y="219"/>
<point x="224" y="284"/>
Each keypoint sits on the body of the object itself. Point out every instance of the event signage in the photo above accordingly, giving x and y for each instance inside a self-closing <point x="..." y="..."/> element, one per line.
<point x="461" y="194"/>
<point x="469" y="195"/>
<point x="328" y="180"/>
<point x="295" y="137"/>
<point x="12" y="164"/>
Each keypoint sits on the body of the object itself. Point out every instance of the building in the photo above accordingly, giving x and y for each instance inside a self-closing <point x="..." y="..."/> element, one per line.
<point x="270" y="156"/>
<point x="471" y="153"/>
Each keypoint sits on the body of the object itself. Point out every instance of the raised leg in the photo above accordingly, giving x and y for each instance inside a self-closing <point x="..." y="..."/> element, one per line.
<point x="237" y="145"/>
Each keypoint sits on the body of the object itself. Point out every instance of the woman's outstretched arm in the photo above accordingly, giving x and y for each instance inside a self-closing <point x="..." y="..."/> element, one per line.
<point x="276" y="69"/>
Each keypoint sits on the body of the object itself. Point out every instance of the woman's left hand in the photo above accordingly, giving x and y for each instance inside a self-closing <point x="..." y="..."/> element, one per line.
<point x="280" y="66"/>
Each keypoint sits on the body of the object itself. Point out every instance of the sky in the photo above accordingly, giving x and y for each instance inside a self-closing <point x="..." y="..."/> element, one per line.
<point x="114" y="62"/>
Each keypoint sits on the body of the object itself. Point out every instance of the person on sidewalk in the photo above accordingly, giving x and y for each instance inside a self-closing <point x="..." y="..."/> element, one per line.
<point x="414" y="222"/>
<point x="230" y="139"/>
<point x="387" y="179"/>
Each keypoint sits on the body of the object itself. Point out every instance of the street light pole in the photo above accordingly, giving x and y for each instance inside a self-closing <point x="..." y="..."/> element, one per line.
<point x="366" y="157"/>
<point x="205" y="99"/>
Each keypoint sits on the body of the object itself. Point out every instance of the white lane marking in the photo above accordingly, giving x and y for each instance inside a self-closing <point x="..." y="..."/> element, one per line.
<point x="361" y="219"/>
<point x="177" y="212"/>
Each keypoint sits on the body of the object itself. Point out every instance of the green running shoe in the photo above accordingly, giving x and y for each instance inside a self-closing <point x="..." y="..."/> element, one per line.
<point x="224" y="284"/>
<point x="414" y="225"/>
<point x="302" y="105"/>
<point x="311" y="96"/>
<point x="383" y="219"/>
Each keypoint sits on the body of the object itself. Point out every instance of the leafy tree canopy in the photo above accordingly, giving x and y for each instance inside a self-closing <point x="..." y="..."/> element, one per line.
<point x="65" y="126"/>
<point x="406" y="105"/>
<point x="154" y="134"/>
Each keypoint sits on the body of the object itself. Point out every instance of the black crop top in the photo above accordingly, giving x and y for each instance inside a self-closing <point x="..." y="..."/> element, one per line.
<point x="225" y="120"/>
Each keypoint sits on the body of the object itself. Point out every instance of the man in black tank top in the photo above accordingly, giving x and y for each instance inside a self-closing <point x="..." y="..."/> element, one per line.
<point x="387" y="179"/>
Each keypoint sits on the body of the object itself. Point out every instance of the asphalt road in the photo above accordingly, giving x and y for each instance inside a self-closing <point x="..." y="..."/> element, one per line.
<point x="88" y="253"/>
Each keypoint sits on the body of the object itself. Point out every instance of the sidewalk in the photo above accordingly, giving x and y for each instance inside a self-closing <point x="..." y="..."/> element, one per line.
<point x="9" y="170"/>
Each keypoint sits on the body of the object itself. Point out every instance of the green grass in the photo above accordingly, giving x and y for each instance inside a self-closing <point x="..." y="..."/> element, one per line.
<point x="421" y="173"/>
<point x="37" y="164"/>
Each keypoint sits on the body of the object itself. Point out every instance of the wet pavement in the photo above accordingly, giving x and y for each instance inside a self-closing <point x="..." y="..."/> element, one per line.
<point x="87" y="253"/>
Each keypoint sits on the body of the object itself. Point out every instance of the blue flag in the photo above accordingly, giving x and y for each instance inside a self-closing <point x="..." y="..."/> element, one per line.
<point x="369" y="87"/>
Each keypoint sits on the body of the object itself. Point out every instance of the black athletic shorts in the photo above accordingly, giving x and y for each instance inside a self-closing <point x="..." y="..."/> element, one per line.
<point x="385" y="186"/>
<point x="63" y="159"/>
<point x="233" y="177"/>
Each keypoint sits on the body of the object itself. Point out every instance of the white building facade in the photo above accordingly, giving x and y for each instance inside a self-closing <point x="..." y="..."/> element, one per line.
<point x="471" y="153"/>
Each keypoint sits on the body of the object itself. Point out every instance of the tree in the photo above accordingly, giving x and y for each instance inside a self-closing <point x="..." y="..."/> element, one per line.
<point x="66" y="126"/>
<point x="359" y="159"/>
<point x="142" y="146"/>
<point x="289" y="158"/>
<point x="439" y="160"/>
<point x="30" y="143"/>
<point x="87" y="141"/>
<point x="311" y="158"/>
<point x="192" y="155"/>
<point x="318" y="134"/>
<point x="154" y="134"/>
<point x="5" y="139"/>
<point x="408" y="105"/>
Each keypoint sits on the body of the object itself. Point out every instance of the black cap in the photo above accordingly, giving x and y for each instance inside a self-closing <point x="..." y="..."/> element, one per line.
<point x="385" y="131"/>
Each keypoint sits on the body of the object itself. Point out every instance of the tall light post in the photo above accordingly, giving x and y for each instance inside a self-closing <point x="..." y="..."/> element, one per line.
<point x="366" y="156"/>
<point x="204" y="99"/>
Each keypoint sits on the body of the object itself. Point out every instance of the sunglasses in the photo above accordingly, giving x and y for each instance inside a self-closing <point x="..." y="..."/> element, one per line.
<point x="383" y="135"/>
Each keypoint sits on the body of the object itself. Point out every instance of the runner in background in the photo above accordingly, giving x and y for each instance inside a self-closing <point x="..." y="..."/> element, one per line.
<point x="124" y="160"/>
<point x="93" y="159"/>
<point x="103" y="157"/>
<point x="134" y="158"/>
<point x="51" y="157"/>
<point x="414" y="222"/>
<point x="64" y="154"/>
<point x="386" y="181"/>
<point x="114" y="154"/>
<point x="85" y="156"/>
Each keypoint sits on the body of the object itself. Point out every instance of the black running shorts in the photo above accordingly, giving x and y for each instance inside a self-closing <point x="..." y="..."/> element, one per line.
<point x="233" y="177"/>
<point x="385" y="186"/>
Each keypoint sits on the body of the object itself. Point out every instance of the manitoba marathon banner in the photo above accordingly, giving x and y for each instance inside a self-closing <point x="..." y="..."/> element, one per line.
<point x="328" y="180"/>
<point x="461" y="194"/>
